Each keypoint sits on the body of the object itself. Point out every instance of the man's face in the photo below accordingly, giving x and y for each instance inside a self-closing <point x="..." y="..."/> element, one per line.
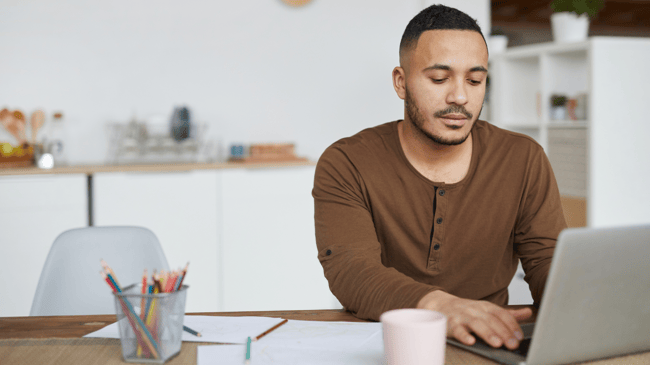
<point x="444" y="84"/>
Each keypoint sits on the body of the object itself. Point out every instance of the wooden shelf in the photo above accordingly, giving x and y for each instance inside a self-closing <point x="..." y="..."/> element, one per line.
<point x="92" y="169"/>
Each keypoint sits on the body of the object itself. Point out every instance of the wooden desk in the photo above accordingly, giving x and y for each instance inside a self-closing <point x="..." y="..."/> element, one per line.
<point x="58" y="340"/>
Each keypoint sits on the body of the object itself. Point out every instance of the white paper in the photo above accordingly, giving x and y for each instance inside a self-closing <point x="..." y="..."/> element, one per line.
<point x="305" y="342"/>
<point x="212" y="328"/>
<point x="325" y="335"/>
<point x="274" y="355"/>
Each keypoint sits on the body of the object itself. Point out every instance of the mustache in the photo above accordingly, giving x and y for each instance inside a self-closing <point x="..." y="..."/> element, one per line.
<point x="454" y="109"/>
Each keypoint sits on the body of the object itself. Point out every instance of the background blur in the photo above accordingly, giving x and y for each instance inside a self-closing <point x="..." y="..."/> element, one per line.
<point x="253" y="71"/>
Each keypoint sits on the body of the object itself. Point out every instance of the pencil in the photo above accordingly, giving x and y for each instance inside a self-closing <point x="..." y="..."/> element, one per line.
<point x="189" y="330"/>
<point x="180" y="283"/>
<point x="110" y="271"/>
<point x="248" y="351"/>
<point x="130" y="314"/>
<point x="142" y="304"/>
<point x="144" y="291"/>
<point x="270" y="330"/>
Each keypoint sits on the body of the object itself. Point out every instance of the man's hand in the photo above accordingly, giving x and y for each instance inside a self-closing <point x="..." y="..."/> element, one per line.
<point x="495" y="325"/>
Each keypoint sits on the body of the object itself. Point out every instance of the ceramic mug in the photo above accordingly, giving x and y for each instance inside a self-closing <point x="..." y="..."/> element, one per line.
<point x="414" y="336"/>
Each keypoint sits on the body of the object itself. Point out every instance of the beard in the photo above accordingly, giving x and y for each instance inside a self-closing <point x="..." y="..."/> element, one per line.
<point x="417" y="118"/>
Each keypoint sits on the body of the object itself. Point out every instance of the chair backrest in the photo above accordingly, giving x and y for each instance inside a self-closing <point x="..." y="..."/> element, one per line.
<point x="71" y="283"/>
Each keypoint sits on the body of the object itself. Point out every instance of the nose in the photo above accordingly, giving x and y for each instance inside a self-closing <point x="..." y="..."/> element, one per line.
<point x="457" y="93"/>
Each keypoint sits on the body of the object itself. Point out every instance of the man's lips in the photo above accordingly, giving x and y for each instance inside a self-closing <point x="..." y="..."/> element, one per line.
<point x="454" y="116"/>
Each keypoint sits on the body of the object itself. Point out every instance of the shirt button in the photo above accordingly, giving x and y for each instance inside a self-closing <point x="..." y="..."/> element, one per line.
<point x="439" y="220"/>
<point x="441" y="192"/>
<point x="329" y="252"/>
<point x="436" y="247"/>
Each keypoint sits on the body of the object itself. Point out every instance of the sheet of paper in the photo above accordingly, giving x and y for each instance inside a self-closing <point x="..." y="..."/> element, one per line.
<point x="325" y="335"/>
<point x="212" y="328"/>
<point x="305" y="342"/>
<point x="273" y="355"/>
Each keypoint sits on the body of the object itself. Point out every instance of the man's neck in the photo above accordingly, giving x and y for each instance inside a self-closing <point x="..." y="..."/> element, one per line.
<point x="436" y="162"/>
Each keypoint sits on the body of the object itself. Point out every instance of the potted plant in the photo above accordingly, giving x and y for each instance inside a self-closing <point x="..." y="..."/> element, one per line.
<point x="570" y="19"/>
<point x="558" y="107"/>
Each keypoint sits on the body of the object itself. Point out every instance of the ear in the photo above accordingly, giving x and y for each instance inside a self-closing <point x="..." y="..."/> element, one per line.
<point x="399" y="82"/>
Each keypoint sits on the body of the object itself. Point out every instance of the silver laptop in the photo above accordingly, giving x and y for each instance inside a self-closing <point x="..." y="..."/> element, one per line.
<point x="596" y="303"/>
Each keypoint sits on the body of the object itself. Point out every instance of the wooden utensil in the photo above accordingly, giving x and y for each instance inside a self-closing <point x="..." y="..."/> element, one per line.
<point x="14" y="122"/>
<point x="37" y="121"/>
<point x="5" y="118"/>
<point x="20" y="126"/>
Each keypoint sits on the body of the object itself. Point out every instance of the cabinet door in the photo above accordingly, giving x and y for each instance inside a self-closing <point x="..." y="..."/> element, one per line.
<point x="35" y="210"/>
<point x="180" y="208"/>
<point x="269" y="246"/>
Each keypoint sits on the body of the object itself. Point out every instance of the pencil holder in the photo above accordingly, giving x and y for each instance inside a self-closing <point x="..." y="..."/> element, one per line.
<point x="151" y="325"/>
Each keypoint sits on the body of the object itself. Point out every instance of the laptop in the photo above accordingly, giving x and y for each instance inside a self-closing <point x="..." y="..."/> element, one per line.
<point x="596" y="303"/>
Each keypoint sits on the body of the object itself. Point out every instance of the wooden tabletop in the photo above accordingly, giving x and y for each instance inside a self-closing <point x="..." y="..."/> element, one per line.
<point x="79" y="326"/>
<point x="59" y="340"/>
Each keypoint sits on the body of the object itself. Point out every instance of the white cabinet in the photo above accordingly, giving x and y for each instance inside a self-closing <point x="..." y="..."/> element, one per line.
<point x="248" y="233"/>
<point x="181" y="209"/>
<point x="34" y="211"/>
<point x="269" y="255"/>
<point x="602" y="160"/>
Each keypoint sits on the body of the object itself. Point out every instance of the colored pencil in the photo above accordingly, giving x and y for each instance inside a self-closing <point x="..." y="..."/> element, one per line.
<point x="129" y="312"/>
<point x="248" y="351"/>
<point x="144" y="291"/>
<point x="180" y="283"/>
<point x="169" y="283"/>
<point x="110" y="271"/>
<point x="270" y="330"/>
<point x="189" y="330"/>
<point x="143" y="324"/>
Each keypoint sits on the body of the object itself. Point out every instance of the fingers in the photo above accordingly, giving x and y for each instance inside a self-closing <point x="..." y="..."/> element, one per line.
<point x="521" y="314"/>
<point x="461" y="334"/>
<point x="484" y="325"/>
<point x="490" y="331"/>
<point x="507" y="327"/>
<point x="495" y="325"/>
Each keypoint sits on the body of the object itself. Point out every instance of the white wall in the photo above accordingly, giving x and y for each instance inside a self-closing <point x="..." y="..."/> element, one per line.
<point x="254" y="71"/>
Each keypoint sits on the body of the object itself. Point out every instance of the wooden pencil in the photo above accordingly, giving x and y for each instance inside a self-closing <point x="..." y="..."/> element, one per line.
<point x="183" y="277"/>
<point x="109" y="270"/>
<point x="191" y="331"/>
<point x="270" y="330"/>
<point x="140" y="331"/>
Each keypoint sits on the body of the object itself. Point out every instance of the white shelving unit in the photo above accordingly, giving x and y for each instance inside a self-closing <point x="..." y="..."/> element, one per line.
<point x="601" y="163"/>
<point x="604" y="160"/>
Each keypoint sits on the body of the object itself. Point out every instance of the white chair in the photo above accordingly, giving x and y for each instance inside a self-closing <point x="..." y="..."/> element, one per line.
<point x="71" y="283"/>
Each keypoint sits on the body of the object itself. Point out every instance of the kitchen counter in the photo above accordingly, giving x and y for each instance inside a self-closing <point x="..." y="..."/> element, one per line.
<point x="91" y="169"/>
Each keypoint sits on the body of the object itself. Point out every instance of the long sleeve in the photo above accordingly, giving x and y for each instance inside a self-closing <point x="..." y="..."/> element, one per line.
<point x="348" y="246"/>
<point x="540" y="220"/>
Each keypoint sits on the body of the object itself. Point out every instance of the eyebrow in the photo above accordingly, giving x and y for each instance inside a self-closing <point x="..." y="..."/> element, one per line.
<point x="438" y="66"/>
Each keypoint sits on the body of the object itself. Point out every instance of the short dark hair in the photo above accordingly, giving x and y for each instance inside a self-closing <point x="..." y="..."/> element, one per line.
<point x="432" y="18"/>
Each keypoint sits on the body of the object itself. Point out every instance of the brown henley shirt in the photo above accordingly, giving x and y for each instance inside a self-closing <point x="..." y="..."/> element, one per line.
<point x="374" y="215"/>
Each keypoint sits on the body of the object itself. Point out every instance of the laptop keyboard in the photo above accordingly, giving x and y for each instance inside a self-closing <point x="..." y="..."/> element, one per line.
<point x="521" y="350"/>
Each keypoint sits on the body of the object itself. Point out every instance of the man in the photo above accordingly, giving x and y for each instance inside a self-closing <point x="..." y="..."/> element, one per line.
<point x="436" y="210"/>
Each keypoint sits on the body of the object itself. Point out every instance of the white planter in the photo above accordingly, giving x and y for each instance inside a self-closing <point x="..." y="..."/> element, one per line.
<point x="569" y="27"/>
<point x="497" y="44"/>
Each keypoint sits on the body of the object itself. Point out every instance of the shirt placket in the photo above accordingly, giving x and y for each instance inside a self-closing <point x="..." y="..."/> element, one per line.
<point x="437" y="247"/>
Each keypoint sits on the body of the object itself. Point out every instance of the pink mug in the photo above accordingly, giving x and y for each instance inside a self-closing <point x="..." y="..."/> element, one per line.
<point x="414" y="337"/>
